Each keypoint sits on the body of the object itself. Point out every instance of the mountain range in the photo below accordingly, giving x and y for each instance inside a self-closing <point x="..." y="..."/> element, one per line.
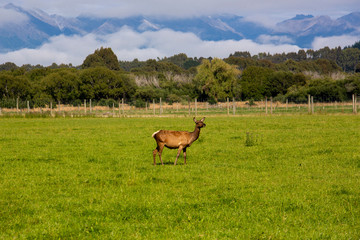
<point x="300" y="30"/>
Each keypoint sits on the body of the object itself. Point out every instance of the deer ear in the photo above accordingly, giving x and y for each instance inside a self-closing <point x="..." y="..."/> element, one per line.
<point x="202" y="119"/>
<point x="194" y="119"/>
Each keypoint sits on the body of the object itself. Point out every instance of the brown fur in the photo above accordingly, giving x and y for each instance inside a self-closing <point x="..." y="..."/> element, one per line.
<point x="176" y="140"/>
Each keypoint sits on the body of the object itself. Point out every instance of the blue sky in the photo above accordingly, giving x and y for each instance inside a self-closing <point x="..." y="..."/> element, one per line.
<point x="74" y="49"/>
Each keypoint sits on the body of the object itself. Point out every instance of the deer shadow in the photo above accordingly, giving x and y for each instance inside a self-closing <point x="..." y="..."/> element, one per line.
<point x="169" y="163"/>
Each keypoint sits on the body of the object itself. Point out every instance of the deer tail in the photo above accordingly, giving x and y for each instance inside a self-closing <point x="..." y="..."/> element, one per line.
<point x="153" y="135"/>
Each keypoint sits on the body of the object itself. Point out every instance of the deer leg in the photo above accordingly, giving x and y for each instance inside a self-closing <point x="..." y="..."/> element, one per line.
<point x="154" y="154"/>
<point x="161" y="147"/>
<point x="184" y="152"/>
<point x="178" y="154"/>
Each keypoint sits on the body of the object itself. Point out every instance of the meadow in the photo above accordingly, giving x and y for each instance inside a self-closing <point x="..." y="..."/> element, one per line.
<point x="246" y="177"/>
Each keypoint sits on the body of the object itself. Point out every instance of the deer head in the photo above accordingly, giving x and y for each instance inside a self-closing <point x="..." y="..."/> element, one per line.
<point x="200" y="123"/>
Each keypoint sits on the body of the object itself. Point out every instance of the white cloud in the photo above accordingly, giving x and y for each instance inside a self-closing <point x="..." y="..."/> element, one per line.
<point x="8" y="16"/>
<point x="268" y="39"/>
<point x="336" y="41"/>
<point x="60" y="49"/>
<point x="267" y="20"/>
<point x="128" y="45"/>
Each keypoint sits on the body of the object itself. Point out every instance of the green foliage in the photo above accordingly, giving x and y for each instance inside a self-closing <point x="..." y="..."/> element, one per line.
<point x="62" y="86"/>
<point x="183" y="61"/>
<point x="8" y="66"/>
<point x="251" y="139"/>
<point x="13" y="85"/>
<point x="327" y="90"/>
<point x="107" y="102"/>
<point x="103" y="57"/>
<point x="297" y="94"/>
<point x="356" y="45"/>
<point x="216" y="79"/>
<point x="139" y="103"/>
<point x="352" y="84"/>
<point x="349" y="59"/>
<point x="254" y="83"/>
<point x="147" y="93"/>
<point x="100" y="82"/>
<point x="175" y="79"/>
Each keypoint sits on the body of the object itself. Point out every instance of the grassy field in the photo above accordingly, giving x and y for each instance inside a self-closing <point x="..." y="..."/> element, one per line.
<point x="252" y="177"/>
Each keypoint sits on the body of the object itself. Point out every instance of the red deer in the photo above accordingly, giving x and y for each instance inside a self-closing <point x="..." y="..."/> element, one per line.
<point x="176" y="140"/>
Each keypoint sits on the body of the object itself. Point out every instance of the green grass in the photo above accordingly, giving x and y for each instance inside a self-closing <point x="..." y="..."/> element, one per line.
<point x="93" y="178"/>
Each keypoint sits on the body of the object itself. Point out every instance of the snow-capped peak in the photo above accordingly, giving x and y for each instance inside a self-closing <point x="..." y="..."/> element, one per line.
<point x="147" y="25"/>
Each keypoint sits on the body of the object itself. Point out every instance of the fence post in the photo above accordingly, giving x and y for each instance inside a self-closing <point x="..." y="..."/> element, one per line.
<point x="122" y="105"/>
<point x="354" y="100"/>
<point x="312" y="104"/>
<point x="189" y="108"/>
<point x="266" y="106"/>
<point x="287" y="103"/>
<point x="119" y="107"/>
<point x="17" y="104"/>
<point x="0" y="111"/>
<point x="160" y="107"/>
<point x="227" y="106"/>
<point x="85" y="106"/>
<point x="195" y="107"/>
<point x="28" y="106"/>
<point x="271" y="105"/>
<point x="90" y="105"/>
<point x="309" y="104"/>
<point x="154" y="106"/>
<point x="51" y="108"/>
<point x="234" y="106"/>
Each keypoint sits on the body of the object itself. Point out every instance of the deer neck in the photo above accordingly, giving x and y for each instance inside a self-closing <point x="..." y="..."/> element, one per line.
<point x="195" y="134"/>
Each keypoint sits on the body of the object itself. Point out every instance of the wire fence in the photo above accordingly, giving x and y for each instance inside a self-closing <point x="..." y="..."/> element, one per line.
<point x="191" y="108"/>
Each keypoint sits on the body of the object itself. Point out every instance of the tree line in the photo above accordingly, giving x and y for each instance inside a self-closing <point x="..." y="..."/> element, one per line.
<point x="327" y="74"/>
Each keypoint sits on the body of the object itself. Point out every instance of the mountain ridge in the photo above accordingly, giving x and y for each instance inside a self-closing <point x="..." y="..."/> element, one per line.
<point x="300" y="30"/>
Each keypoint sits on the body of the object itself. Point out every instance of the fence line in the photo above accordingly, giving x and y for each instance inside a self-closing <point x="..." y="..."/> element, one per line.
<point x="191" y="108"/>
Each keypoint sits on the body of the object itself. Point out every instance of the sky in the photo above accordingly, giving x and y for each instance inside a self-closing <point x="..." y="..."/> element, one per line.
<point x="128" y="44"/>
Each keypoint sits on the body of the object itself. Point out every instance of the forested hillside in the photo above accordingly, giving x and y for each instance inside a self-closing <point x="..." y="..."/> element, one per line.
<point x="327" y="74"/>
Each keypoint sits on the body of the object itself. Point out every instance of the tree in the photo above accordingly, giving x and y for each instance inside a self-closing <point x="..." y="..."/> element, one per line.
<point x="255" y="83"/>
<point x="101" y="83"/>
<point x="352" y="84"/>
<point x="13" y="86"/>
<point x="356" y="45"/>
<point x="279" y="82"/>
<point x="349" y="58"/>
<point x="103" y="57"/>
<point x="8" y="66"/>
<point x="327" y="90"/>
<point x="62" y="85"/>
<point x="217" y="79"/>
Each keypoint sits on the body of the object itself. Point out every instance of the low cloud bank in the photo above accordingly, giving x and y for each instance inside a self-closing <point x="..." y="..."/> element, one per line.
<point x="335" y="41"/>
<point x="129" y="44"/>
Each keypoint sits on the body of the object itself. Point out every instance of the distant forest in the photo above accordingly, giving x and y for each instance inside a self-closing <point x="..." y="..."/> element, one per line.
<point x="327" y="74"/>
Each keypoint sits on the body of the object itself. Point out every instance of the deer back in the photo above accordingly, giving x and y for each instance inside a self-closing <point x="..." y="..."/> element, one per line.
<point x="173" y="139"/>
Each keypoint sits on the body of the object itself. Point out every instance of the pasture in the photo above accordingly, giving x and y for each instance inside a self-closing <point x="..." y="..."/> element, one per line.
<point x="247" y="177"/>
